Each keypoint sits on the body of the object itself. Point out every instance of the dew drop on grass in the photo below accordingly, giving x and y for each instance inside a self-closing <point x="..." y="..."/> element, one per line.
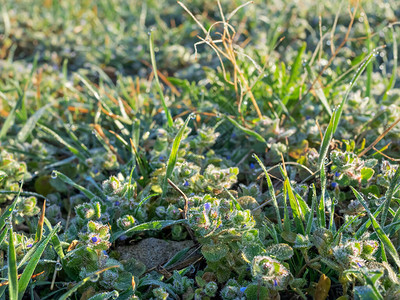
<point x="115" y="295"/>
<point x="58" y="266"/>
<point x="54" y="174"/>
<point x="94" y="277"/>
<point x="192" y="116"/>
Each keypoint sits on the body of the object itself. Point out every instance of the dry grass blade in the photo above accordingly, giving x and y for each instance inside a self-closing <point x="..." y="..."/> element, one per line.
<point x="175" y="187"/>
<point x="379" y="138"/>
<point x="39" y="230"/>
<point x="227" y="51"/>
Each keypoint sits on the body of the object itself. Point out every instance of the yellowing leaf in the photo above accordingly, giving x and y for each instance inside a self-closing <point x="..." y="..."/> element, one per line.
<point x="323" y="287"/>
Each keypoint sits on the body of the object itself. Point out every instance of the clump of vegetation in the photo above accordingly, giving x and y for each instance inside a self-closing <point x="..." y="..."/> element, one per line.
<point x="270" y="163"/>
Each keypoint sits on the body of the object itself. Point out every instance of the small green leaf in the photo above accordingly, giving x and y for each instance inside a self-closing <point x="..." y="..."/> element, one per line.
<point x="366" y="174"/>
<point x="280" y="251"/>
<point x="258" y="292"/>
<point x="214" y="253"/>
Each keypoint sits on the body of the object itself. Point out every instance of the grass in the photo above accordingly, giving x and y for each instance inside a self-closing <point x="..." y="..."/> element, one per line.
<point x="274" y="156"/>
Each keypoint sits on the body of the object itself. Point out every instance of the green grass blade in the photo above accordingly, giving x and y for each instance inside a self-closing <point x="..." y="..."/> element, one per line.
<point x="153" y="225"/>
<point x="31" y="123"/>
<point x="81" y="283"/>
<point x="379" y="231"/>
<point x="332" y="215"/>
<point x="323" y="151"/>
<point x="294" y="204"/>
<point x="28" y="255"/>
<point x="59" y="139"/>
<point x="143" y="201"/>
<point x="286" y="216"/>
<point x="235" y="202"/>
<point x="177" y="257"/>
<point x="3" y="235"/>
<point x="174" y="154"/>
<point x="294" y="71"/>
<point x="85" y="81"/>
<point x="383" y="253"/>
<point x="31" y="266"/>
<point x="55" y="241"/>
<point x="23" y="113"/>
<point x="396" y="217"/>
<point x="164" y="104"/>
<point x="392" y="80"/>
<point x="69" y="181"/>
<point x="311" y="214"/>
<point x="7" y="213"/>
<point x="76" y="140"/>
<point x="252" y="133"/>
<point x="368" y="223"/>
<point x="304" y="209"/>
<point x="12" y="267"/>
<point x="271" y="191"/>
<point x="101" y="141"/>
<point x="321" y="207"/>
<point x="10" y="119"/>
<point x="319" y="91"/>
<point x="368" y="82"/>
<point x="338" y="113"/>
<point x="389" y="195"/>
<point x="159" y="283"/>
<point x="345" y="225"/>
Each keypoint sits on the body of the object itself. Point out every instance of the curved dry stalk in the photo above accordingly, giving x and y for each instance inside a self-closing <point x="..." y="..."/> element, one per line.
<point x="379" y="138"/>
<point x="194" y="18"/>
<point x="346" y="38"/>
<point x="237" y="9"/>
<point x="228" y="52"/>
<point x="215" y="48"/>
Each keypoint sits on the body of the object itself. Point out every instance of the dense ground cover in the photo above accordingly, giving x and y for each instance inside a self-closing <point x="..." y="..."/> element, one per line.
<point x="263" y="137"/>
